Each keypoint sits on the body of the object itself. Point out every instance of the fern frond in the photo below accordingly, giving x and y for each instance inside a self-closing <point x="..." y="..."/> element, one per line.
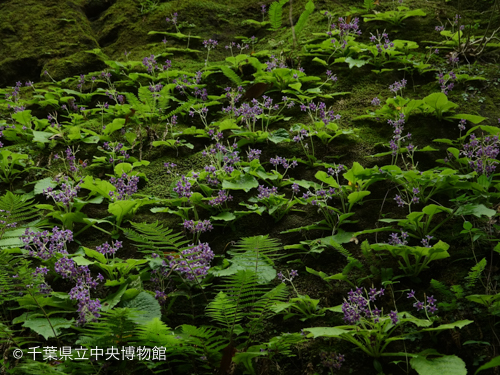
<point x="224" y="310"/>
<point x="17" y="208"/>
<point x="134" y="101"/>
<point x="115" y="327"/>
<point x="183" y="107"/>
<point x="303" y="17"/>
<point x="229" y="73"/>
<point x="440" y="288"/>
<point x="262" y="308"/>
<point x="337" y="246"/>
<point x="153" y="237"/>
<point x="204" y="337"/>
<point x="258" y="250"/>
<point x="243" y="298"/>
<point x="18" y="214"/>
<point x="275" y="13"/>
<point x="154" y="333"/>
<point x="475" y="274"/>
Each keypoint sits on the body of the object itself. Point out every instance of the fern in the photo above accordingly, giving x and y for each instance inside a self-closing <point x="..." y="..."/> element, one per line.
<point x="275" y="13"/>
<point x="183" y="107"/>
<point x="115" y="327"/>
<point x="242" y="297"/>
<point x="204" y="340"/>
<point x="441" y="288"/>
<point x="337" y="246"/>
<point x="257" y="250"/>
<point x="303" y="17"/>
<point x="153" y="237"/>
<point x="155" y="333"/>
<point x="229" y="73"/>
<point x="18" y="214"/>
<point x="475" y="274"/>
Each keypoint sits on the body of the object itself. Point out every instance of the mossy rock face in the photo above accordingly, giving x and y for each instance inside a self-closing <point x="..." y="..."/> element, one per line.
<point x="36" y="33"/>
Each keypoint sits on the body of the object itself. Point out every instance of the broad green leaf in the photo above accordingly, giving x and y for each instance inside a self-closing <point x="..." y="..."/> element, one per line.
<point x="495" y="362"/>
<point x="446" y="365"/>
<point x="95" y="254"/>
<point x="357" y="196"/>
<point x="353" y="62"/>
<point x="245" y="182"/>
<point x="279" y="135"/>
<point x="42" y="137"/>
<point x="41" y="185"/>
<point x="113" y="299"/>
<point x="325" y="331"/>
<point x="146" y="303"/>
<point x="472" y="118"/>
<point x="477" y="210"/>
<point x="43" y="327"/>
<point x="224" y="216"/>
<point x="457" y="324"/>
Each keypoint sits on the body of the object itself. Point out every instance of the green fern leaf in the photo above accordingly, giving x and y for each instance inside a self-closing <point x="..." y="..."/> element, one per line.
<point x="275" y="14"/>
<point x="229" y="73"/>
<point x="475" y="274"/>
<point x="150" y="238"/>
<point x="303" y="17"/>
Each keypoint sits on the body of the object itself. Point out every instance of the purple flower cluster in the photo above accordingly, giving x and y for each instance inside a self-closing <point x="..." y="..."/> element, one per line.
<point x="274" y="64"/>
<point x="126" y="185"/>
<point x="88" y="308"/>
<point x="211" y="177"/>
<point x="254" y="154"/>
<point x="429" y="306"/>
<point x="193" y="262"/>
<point x="173" y="19"/>
<point x="225" y="157"/>
<point x="375" y="101"/>
<point x="302" y="134"/>
<point x="183" y="187"/>
<point x="199" y="226"/>
<point x="249" y="113"/>
<point x="150" y="63"/>
<point x="285" y="163"/>
<point x="115" y="148"/>
<point x="332" y="360"/>
<point x="106" y="248"/>
<point x="4" y="219"/>
<point x="398" y="86"/>
<point x="183" y="83"/>
<point x="382" y="42"/>
<point x="336" y="170"/>
<point x="426" y="241"/>
<point x="66" y="195"/>
<point x="397" y="138"/>
<point x="446" y="81"/>
<point x="265" y="192"/>
<point x="345" y="29"/>
<point x="318" y="111"/>
<point x="395" y="240"/>
<point x="169" y="166"/>
<point x="292" y="274"/>
<point x="222" y="196"/>
<point x="482" y="153"/>
<point x="210" y="44"/>
<point x="357" y="306"/>
<point x="44" y="245"/>
<point x="461" y="125"/>
<point x="415" y="199"/>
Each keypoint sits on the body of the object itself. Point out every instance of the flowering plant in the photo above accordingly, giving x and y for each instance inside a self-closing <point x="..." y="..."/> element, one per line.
<point x="372" y="330"/>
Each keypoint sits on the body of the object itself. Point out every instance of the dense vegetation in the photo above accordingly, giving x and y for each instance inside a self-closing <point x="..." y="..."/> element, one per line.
<point x="299" y="187"/>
